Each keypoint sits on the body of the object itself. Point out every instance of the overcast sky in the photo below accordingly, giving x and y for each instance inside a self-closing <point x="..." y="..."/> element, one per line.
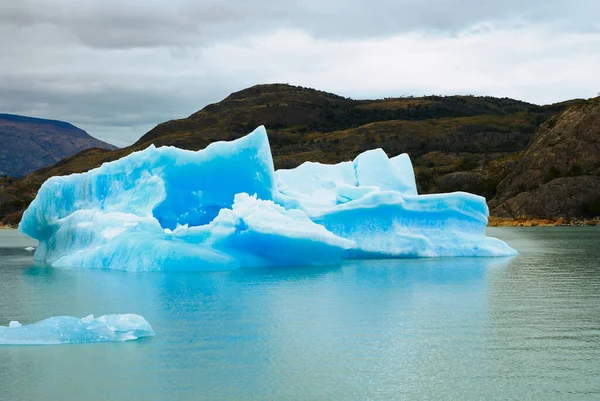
<point x="116" y="68"/>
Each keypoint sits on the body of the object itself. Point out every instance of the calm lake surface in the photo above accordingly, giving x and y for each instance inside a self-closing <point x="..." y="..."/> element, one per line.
<point x="457" y="329"/>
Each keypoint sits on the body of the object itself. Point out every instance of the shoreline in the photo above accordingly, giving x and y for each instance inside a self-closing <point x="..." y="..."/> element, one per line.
<point x="494" y="221"/>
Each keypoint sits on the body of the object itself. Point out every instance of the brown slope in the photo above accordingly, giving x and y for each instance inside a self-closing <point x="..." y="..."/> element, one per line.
<point x="444" y="135"/>
<point x="559" y="174"/>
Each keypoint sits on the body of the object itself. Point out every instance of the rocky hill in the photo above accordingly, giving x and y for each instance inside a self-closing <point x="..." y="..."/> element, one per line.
<point x="559" y="173"/>
<point x="28" y="144"/>
<point x="456" y="142"/>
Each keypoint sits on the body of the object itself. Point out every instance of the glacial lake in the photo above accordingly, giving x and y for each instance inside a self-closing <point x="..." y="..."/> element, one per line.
<point x="457" y="329"/>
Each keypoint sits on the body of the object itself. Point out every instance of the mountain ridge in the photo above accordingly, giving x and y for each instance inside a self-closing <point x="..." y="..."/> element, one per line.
<point x="456" y="142"/>
<point x="31" y="143"/>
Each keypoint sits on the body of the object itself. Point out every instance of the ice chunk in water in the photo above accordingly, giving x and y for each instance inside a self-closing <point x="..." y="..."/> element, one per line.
<point x="71" y="330"/>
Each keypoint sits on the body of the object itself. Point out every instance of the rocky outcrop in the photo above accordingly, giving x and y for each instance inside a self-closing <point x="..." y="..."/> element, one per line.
<point x="559" y="174"/>
<point x="563" y="197"/>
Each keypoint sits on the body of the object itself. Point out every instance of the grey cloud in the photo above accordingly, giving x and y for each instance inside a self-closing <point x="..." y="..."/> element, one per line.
<point x="108" y="112"/>
<point x="136" y="23"/>
<point x="116" y="68"/>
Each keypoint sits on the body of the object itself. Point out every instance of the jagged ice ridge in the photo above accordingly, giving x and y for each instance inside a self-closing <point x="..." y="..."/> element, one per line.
<point x="226" y="207"/>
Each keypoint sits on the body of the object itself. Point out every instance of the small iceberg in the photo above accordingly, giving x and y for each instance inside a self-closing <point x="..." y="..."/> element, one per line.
<point x="29" y="249"/>
<point x="71" y="330"/>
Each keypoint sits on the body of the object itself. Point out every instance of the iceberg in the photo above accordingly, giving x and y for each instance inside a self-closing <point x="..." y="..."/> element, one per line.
<point x="374" y="202"/>
<point x="71" y="330"/>
<point x="225" y="207"/>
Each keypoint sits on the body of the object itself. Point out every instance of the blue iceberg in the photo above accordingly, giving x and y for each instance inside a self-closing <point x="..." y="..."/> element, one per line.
<point x="226" y="207"/>
<point x="71" y="330"/>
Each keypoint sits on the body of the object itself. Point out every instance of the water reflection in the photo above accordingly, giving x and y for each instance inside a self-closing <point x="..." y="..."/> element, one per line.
<point x="466" y="328"/>
<point x="284" y="273"/>
<point x="405" y="310"/>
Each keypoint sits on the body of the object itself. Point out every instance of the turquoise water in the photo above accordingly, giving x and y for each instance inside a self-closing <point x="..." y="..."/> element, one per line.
<point x="522" y="328"/>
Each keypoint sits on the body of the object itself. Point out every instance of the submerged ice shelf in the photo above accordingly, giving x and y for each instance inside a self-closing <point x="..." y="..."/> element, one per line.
<point x="71" y="330"/>
<point x="226" y="207"/>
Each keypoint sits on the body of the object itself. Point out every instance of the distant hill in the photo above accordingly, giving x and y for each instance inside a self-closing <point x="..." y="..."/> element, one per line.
<point x="28" y="144"/>
<point x="559" y="173"/>
<point x="456" y="142"/>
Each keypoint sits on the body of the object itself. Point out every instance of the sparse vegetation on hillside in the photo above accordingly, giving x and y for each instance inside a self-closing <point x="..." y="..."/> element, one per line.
<point x="559" y="174"/>
<point x="455" y="142"/>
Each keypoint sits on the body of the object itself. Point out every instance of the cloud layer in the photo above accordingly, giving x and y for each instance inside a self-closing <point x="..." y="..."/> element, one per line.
<point x="118" y="68"/>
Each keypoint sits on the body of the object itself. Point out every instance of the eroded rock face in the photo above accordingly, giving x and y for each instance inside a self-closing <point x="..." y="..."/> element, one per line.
<point x="565" y="197"/>
<point x="559" y="174"/>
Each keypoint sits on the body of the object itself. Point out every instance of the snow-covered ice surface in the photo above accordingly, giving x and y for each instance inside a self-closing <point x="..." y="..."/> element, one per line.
<point x="71" y="330"/>
<point x="226" y="207"/>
